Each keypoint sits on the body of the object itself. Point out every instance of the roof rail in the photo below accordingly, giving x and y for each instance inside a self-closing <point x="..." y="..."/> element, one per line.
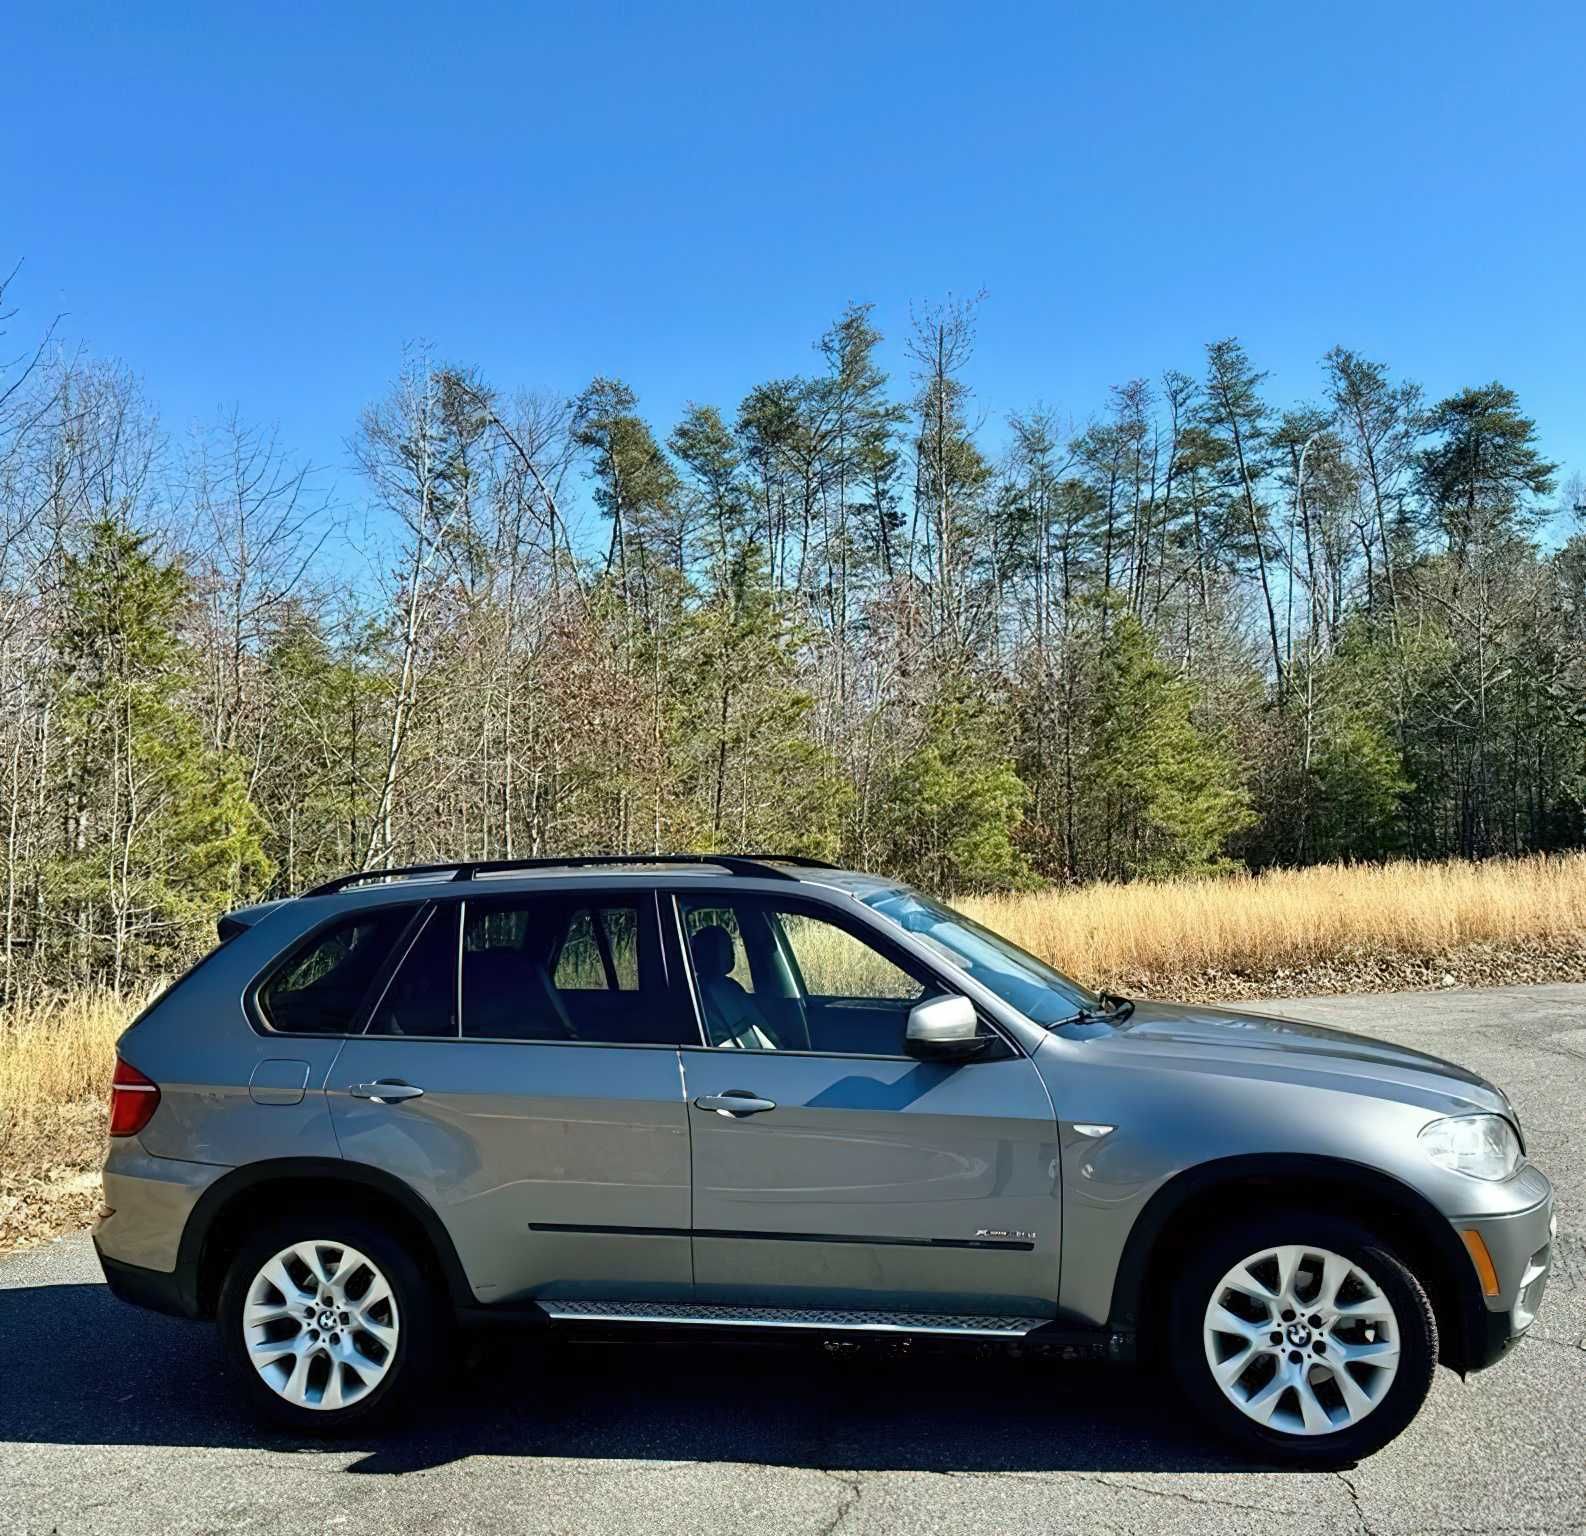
<point x="798" y="860"/>
<point x="758" y="866"/>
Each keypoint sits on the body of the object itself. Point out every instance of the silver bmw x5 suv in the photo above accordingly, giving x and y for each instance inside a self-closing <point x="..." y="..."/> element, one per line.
<point x="761" y="1093"/>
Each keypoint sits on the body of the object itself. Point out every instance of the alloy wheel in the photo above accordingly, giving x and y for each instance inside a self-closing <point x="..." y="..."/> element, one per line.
<point x="320" y="1325"/>
<point x="1301" y="1340"/>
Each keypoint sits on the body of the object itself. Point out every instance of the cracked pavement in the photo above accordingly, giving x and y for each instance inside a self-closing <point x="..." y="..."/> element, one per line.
<point x="110" y="1416"/>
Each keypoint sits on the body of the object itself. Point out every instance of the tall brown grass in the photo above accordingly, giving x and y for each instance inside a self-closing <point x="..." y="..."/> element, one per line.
<point x="56" y="1057"/>
<point x="1297" y="920"/>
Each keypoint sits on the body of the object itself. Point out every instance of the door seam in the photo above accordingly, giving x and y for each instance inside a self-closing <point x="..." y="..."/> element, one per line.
<point x="688" y="1126"/>
<point x="324" y="1094"/>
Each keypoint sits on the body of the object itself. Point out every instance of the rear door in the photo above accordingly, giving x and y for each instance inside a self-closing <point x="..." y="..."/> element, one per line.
<point x="520" y="1071"/>
<point x="855" y="1176"/>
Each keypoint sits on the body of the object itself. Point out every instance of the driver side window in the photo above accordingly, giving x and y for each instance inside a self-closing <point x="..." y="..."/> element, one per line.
<point x="834" y="963"/>
<point x="774" y="977"/>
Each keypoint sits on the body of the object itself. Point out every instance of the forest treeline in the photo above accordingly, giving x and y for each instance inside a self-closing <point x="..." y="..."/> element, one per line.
<point x="844" y="616"/>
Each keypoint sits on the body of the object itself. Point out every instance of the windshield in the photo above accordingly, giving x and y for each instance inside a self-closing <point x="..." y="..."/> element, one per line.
<point x="1041" y="994"/>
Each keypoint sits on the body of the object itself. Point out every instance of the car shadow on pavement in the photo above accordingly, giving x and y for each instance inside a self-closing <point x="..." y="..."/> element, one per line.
<point x="81" y="1368"/>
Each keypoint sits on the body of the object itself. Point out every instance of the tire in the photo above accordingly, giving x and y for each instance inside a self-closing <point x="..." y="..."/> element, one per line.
<point x="1344" y="1390"/>
<point x="324" y="1369"/>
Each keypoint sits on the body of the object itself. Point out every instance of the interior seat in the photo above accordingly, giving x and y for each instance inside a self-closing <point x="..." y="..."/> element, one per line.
<point x="509" y="995"/>
<point x="730" y="1012"/>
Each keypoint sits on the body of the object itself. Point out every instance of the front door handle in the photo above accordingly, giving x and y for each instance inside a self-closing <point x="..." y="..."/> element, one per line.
<point x="385" y="1092"/>
<point x="735" y="1103"/>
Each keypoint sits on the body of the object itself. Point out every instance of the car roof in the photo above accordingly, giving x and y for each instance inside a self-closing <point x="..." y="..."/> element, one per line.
<point x="674" y="871"/>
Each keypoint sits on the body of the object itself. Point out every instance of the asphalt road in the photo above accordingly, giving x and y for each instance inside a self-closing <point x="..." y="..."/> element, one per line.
<point x="117" y="1420"/>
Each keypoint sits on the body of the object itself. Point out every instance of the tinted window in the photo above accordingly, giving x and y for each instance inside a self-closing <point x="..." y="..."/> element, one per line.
<point x="600" y="951"/>
<point x="422" y="996"/>
<point x="621" y="928"/>
<point x="561" y="968"/>
<point x="727" y="940"/>
<point x="832" y="962"/>
<point x="785" y="978"/>
<point x="322" y="989"/>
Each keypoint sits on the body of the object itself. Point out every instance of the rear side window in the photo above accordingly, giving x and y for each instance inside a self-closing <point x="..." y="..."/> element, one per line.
<point x="422" y="997"/>
<point x="562" y="968"/>
<point x="324" y="987"/>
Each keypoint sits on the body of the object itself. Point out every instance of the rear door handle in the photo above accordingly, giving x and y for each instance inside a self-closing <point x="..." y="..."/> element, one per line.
<point x="385" y="1092"/>
<point x="735" y="1103"/>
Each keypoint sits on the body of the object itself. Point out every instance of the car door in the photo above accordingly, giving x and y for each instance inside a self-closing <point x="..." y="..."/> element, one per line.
<point x="831" y="1169"/>
<point x="520" y="1071"/>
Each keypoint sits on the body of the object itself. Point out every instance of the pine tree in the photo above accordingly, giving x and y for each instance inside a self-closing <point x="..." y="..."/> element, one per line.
<point x="1169" y="796"/>
<point x="162" y="832"/>
<point x="1481" y="476"/>
<point x="634" y="482"/>
<point x="312" y="779"/>
<point x="1236" y="417"/>
<point x="714" y="484"/>
<point x="1340" y="785"/>
<point x="1357" y="789"/>
<point x="761" y="781"/>
<point x="954" y="803"/>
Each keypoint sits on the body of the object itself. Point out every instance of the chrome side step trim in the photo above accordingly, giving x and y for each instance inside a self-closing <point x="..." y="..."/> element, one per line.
<point x="962" y="1324"/>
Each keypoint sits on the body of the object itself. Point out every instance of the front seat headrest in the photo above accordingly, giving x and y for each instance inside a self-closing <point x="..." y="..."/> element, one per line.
<point x="713" y="952"/>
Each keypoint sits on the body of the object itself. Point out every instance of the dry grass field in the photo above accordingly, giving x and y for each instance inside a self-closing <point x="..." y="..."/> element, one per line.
<point x="1307" y="931"/>
<point x="56" y="1056"/>
<point x="1328" y="929"/>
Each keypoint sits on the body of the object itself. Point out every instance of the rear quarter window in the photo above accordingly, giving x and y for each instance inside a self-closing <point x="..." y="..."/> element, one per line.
<point x="323" y="987"/>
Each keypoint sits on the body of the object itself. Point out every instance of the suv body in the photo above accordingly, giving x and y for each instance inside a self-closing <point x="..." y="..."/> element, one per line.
<point x="726" y="1091"/>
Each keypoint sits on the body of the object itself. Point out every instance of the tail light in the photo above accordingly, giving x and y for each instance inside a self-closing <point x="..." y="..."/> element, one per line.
<point x="133" y="1100"/>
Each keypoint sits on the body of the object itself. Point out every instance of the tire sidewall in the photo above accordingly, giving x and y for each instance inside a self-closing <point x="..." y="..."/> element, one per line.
<point x="416" y="1309"/>
<point x="1417" y="1329"/>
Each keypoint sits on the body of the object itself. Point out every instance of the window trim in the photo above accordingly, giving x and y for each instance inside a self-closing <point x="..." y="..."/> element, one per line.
<point x="258" y="1016"/>
<point x="685" y="964"/>
<point x="858" y="929"/>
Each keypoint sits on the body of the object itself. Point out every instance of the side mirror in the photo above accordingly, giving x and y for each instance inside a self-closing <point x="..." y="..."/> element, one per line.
<point x="943" y="1028"/>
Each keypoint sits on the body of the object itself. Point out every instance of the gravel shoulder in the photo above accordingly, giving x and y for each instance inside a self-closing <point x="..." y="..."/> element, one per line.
<point x="110" y="1415"/>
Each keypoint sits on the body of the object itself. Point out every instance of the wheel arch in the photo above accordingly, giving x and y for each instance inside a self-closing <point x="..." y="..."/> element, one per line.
<point x="1404" y="1218"/>
<point x="224" y="1210"/>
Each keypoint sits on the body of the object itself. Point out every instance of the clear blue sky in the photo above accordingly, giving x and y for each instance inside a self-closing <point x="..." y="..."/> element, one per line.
<point x="257" y="205"/>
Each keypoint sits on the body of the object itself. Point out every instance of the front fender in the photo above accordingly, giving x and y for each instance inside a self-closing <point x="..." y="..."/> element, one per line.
<point x="1156" y="1134"/>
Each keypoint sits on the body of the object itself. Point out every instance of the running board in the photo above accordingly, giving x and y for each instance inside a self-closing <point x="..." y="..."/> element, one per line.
<point x="964" y="1325"/>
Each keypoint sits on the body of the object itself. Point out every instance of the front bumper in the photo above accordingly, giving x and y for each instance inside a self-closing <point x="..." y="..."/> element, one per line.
<point x="1519" y="1247"/>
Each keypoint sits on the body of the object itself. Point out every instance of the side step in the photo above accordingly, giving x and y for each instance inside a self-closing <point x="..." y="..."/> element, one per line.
<point x="966" y="1325"/>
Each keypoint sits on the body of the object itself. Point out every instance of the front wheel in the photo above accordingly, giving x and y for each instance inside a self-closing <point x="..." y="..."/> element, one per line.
<point x="328" y="1320"/>
<point x="1303" y="1337"/>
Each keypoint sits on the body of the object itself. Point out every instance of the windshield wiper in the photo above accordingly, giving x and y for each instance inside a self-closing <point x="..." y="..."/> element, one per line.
<point x="1115" y="1008"/>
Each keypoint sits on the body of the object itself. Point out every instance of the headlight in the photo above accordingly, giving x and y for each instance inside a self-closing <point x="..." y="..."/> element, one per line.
<point x="1484" y="1146"/>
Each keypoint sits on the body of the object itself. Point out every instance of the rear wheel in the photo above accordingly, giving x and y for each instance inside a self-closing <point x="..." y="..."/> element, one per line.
<point x="1304" y="1337"/>
<point x="329" y="1321"/>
